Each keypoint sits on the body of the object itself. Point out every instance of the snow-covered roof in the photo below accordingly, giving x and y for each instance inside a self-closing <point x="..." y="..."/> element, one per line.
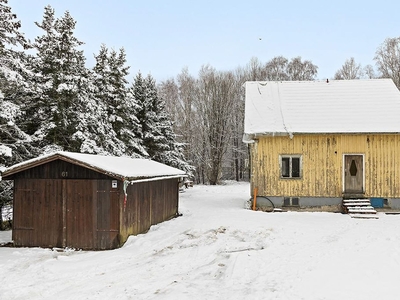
<point x="121" y="167"/>
<point x="337" y="106"/>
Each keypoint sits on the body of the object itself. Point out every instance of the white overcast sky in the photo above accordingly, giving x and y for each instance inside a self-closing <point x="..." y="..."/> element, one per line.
<point x="161" y="37"/>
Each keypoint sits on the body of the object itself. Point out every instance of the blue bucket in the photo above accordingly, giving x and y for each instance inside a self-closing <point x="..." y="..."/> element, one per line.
<point x="377" y="202"/>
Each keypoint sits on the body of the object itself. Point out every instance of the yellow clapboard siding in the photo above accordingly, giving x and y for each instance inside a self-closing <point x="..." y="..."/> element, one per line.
<point x="322" y="164"/>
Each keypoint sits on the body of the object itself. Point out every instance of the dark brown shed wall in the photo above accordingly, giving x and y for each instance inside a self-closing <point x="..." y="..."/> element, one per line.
<point x="148" y="203"/>
<point x="37" y="219"/>
<point x="80" y="214"/>
<point x="107" y="223"/>
<point x="59" y="204"/>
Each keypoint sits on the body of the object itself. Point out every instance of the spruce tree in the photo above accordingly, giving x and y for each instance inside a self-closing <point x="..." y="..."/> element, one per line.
<point x="112" y="93"/>
<point x="14" y="142"/>
<point x="65" y="84"/>
<point x="143" y="114"/>
<point x="156" y="126"/>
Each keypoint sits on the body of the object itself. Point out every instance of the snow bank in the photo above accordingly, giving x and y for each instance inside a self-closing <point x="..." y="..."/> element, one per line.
<point x="218" y="250"/>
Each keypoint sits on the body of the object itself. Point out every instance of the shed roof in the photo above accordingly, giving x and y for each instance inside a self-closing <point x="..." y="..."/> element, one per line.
<point x="120" y="167"/>
<point x="337" y="106"/>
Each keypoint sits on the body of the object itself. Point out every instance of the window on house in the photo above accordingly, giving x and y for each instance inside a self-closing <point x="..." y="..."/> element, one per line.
<point x="290" y="166"/>
<point x="290" y="201"/>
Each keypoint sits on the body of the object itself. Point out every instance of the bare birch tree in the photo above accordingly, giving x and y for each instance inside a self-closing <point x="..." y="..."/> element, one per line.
<point x="369" y="72"/>
<point x="280" y="69"/>
<point x="238" y="152"/>
<point x="215" y="105"/>
<point x="256" y="71"/>
<point x="169" y="91"/>
<point x="276" y="69"/>
<point x="387" y="58"/>
<point x="349" y="70"/>
<point x="301" y="70"/>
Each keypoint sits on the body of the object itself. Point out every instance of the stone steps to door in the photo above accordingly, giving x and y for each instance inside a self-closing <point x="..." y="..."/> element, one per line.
<point x="356" y="200"/>
<point x="359" y="207"/>
<point x="360" y="204"/>
<point x="364" y="216"/>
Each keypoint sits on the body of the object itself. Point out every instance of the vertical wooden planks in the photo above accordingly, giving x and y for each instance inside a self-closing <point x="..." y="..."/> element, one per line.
<point x="107" y="215"/>
<point x="23" y="213"/>
<point x="323" y="156"/>
<point x="149" y="203"/>
<point x="81" y="209"/>
<point x="79" y="215"/>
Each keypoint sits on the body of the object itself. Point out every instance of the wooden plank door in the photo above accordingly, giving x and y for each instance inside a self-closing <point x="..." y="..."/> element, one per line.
<point x="23" y="213"/>
<point x="37" y="213"/>
<point x="353" y="174"/>
<point x="107" y="215"/>
<point x="78" y="214"/>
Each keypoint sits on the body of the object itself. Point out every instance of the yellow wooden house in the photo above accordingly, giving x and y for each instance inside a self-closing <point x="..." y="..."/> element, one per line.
<point x="315" y="143"/>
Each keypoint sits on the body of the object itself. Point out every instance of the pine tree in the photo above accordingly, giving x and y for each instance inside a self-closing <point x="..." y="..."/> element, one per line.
<point x="13" y="87"/>
<point x="173" y="152"/>
<point x="14" y="143"/>
<point x="145" y="115"/>
<point x="112" y="93"/>
<point x="156" y="125"/>
<point x="117" y="92"/>
<point x="64" y="81"/>
<point x="94" y="133"/>
<point x="131" y="132"/>
<point x="9" y="33"/>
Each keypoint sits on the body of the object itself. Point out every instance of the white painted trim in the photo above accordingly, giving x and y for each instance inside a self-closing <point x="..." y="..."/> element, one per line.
<point x="290" y="166"/>
<point x="343" y="170"/>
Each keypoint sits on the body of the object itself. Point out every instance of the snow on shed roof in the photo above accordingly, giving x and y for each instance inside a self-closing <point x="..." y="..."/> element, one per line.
<point x="121" y="167"/>
<point x="337" y="106"/>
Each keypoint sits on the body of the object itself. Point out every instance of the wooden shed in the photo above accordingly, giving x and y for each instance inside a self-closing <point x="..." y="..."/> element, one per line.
<point x="315" y="143"/>
<point x="89" y="201"/>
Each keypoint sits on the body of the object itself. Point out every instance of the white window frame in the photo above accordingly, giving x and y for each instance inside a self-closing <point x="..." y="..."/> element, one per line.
<point x="290" y="156"/>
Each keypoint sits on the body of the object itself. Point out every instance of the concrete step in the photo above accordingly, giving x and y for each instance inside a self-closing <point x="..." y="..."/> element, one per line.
<point x="364" y="216"/>
<point x="355" y="200"/>
<point x="358" y="207"/>
<point x="357" y="204"/>
<point x="361" y="211"/>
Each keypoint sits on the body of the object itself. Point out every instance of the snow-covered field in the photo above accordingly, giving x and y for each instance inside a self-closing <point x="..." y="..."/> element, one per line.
<point x="218" y="250"/>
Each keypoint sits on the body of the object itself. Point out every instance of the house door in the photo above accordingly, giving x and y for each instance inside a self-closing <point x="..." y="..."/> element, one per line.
<point x="353" y="174"/>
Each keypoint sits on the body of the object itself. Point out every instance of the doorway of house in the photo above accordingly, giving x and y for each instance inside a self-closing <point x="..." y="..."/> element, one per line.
<point x="353" y="173"/>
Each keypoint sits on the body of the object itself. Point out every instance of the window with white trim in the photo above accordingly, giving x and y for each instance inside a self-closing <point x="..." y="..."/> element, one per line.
<point x="291" y="166"/>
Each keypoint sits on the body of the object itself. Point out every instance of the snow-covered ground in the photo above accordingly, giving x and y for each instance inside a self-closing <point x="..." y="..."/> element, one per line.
<point x="218" y="250"/>
<point x="6" y="213"/>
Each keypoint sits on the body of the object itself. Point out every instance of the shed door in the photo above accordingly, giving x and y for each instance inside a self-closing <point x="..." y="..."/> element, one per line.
<point x="78" y="213"/>
<point x="107" y="216"/>
<point x="353" y="174"/>
<point x="37" y="213"/>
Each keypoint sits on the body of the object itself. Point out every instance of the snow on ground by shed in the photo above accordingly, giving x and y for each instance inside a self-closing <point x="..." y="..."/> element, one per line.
<point x="5" y="237"/>
<point x="218" y="250"/>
